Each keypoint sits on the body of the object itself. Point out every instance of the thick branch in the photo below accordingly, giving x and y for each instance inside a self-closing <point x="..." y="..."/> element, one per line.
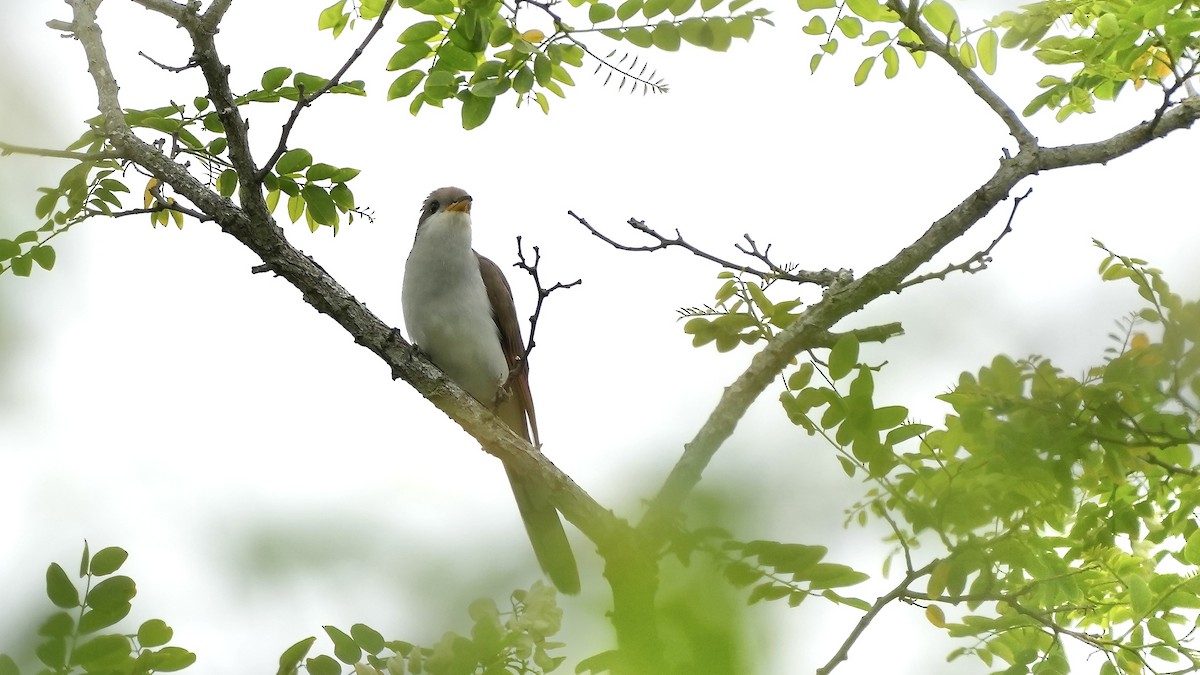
<point x="327" y="296"/>
<point x="840" y="301"/>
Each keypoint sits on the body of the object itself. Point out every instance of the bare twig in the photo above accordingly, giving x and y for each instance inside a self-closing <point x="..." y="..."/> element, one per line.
<point x="174" y="69"/>
<point x="822" y="278"/>
<point x="543" y="292"/>
<point x="977" y="262"/>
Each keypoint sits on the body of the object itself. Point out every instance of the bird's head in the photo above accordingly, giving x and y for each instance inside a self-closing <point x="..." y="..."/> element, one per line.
<point x="447" y="199"/>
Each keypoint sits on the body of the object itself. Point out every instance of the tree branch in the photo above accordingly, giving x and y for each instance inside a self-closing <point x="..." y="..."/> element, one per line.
<point x="823" y="278"/>
<point x="843" y="299"/>
<point x="326" y="295"/>
<point x="11" y="149"/>
<point x="930" y="42"/>
<point x="977" y="262"/>
<point x="896" y="593"/>
<point x="304" y="100"/>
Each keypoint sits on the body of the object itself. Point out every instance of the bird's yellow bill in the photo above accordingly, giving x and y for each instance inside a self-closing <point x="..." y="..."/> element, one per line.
<point x="461" y="206"/>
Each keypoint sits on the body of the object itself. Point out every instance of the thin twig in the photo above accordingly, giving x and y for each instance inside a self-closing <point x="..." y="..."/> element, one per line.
<point x="977" y="262"/>
<point x="896" y="593"/>
<point x="174" y="69"/>
<point x="823" y="278"/>
<point x="543" y="293"/>
<point x="10" y="149"/>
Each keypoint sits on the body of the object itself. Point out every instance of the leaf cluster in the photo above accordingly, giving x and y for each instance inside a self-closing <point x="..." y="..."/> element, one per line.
<point x="743" y="314"/>
<point x="1063" y="505"/>
<point x="513" y="641"/>
<point x="72" y="640"/>
<point x="476" y="53"/>
<point x="1110" y="43"/>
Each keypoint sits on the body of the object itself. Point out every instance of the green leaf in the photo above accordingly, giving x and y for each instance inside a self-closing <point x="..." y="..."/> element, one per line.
<point x="344" y="647"/>
<point x="851" y="26"/>
<point x="320" y="205"/>
<point x="409" y="55"/>
<point x="227" y="182"/>
<point x="810" y="5"/>
<point x="275" y="77"/>
<point x="342" y="196"/>
<point x="154" y="633"/>
<point x="59" y="625"/>
<point x="1141" y="598"/>
<point x="600" y="12"/>
<point x="891" y="62"/>
<point x="721" y="37"/>
<point x="101" y="651"/>
<point x="331" y="15"/>
<point x="475" y="109"/>
<point x="9" y="249"/>
<point x="638" y="36"/>
<point x="108" y="560"/>
<point x="344" y="174"/>
<point x="843" y="357"/>
<point x="8" y="666"/>
<point x="290" y="660"/>
<point x="652" y="8"/>
<point x="491" y="88"/>
<point x="986" y="46"/>
<point x="1191" y="551"/>
<point x="367" y="638"/>
<point x="322" y="665"/>
<point x="168" y="659"/>
<point x="628" y="9"/>
<point x="665" y="36"/>
<point x="420" y="32"/>
<point x="403" y="85"/>
<point x="800" y="379"/>
<point x="888" y="417"/>
<point x="112" y="592"/>
<point x="941" y="16"/>
<point x="320" y="171"/>
<point x="864" y="69"/>
<point x="98" y="619"/>
<point x="293" y="161"/>
<point x="816" y="26"/>
<point x="59" y="588"/>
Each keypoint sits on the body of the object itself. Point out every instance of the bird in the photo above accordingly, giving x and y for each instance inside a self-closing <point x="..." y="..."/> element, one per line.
<point x="459" y="311"/>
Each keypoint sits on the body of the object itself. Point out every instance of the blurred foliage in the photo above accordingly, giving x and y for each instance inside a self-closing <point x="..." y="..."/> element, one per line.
<point x="1047" y="508"/>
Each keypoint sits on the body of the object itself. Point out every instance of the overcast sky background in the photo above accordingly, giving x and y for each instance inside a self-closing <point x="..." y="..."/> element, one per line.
<point x="268" y="477"/>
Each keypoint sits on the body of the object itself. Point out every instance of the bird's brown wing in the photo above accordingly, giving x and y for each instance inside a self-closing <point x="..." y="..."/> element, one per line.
<point x="505" y="313"/>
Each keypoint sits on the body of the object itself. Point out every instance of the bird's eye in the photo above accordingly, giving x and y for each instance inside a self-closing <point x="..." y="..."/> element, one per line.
<point x="434" y="206"/>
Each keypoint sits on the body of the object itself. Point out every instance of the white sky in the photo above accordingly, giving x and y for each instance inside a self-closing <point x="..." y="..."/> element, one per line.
<point x="268" y="477"/>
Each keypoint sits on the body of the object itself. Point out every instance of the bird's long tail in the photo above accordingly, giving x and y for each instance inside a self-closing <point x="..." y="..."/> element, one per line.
<point x="546" y="533"/>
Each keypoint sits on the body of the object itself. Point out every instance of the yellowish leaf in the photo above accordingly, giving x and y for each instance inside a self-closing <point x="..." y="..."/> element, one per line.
<point x="935" y="616"/>
<point x="150" y="185"/>
<point x="533" y="35"/>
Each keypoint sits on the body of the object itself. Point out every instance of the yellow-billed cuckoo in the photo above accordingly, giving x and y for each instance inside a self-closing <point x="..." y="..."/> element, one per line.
<point x="459" y="310"/>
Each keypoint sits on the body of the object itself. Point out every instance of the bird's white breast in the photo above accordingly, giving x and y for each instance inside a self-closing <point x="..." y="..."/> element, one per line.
<point x="446" y="308"/>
